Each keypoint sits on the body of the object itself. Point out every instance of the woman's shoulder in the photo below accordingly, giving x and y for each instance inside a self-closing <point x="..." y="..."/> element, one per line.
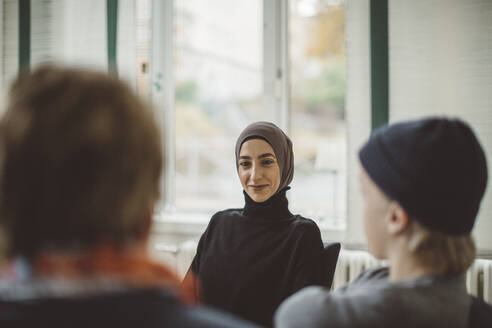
<point x="303" y="222"/>
<point x="228" y="212"/>
<point x="225" y="215"/>
<point x="304" y="228"/>
<point x="221" y="220"/>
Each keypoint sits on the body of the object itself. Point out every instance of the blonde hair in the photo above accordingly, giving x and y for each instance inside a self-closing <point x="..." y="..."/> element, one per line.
<point x="444" y="254"/>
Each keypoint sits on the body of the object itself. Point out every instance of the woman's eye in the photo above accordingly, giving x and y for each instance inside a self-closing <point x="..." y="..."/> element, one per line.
<point x="244" y="164"/>
<point x="267" y="162"/>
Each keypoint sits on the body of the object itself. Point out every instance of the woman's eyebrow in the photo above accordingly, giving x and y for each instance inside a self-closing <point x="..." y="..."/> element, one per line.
<point x="266" y="155"/>
<point x="261" y="156"/>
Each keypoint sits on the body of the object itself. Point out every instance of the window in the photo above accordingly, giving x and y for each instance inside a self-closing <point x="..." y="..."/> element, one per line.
<point x="317" y="101"/>
<point x="218" y="90"/>
<point x="234" y="63"/>
<point x="211" y="68"/>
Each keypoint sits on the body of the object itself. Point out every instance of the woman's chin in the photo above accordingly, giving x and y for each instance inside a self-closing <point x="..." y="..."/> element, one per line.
<point x="259" y="197"/>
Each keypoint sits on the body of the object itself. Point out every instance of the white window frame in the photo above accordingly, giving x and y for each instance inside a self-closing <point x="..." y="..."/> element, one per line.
<point x="162" y="86"/>
<point x="276" y="61"/>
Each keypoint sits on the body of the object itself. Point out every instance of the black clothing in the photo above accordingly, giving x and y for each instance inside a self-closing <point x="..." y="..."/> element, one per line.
<point x="131" y="308"/>
<point x="249" y="260"/>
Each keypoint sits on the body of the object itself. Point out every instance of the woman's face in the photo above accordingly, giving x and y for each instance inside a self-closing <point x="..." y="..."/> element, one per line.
<point x="376" y="211"/>
<point x="258" y="170"/>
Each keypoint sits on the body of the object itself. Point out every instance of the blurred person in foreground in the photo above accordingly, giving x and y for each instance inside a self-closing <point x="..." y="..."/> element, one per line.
<point x="422" y="184"/>
<point x="80" y="167"/>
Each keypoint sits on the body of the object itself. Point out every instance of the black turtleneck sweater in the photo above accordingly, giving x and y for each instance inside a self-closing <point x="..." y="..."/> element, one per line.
<point x="249" y="260"/>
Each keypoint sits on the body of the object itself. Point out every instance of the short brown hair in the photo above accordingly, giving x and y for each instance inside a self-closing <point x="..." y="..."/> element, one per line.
<point x="443" y="253"/>
<point x="81" y="161"/>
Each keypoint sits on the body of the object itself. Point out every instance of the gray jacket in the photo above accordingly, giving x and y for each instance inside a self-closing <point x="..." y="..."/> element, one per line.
<point x="373" y="301"/>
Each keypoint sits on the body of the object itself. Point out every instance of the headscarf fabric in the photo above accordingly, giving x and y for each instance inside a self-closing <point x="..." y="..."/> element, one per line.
<point x="278" y="140"/>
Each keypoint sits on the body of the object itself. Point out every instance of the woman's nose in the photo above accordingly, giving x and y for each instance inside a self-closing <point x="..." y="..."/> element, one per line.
<point x="256" y="173"/>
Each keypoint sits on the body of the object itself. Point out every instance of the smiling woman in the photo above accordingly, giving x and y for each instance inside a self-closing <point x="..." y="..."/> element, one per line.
<point x="250" y="259"/>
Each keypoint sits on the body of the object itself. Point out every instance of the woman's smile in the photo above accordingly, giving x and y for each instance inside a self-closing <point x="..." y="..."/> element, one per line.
<point x="258" y="187"/>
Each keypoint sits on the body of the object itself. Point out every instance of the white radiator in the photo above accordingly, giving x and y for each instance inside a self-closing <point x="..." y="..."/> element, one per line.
<point x="479" y="279"/>
<point x="350" y="265"/>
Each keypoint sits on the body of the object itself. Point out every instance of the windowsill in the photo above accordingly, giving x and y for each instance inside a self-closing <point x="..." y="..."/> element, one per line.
<point x="180" y="223"/>
<point x="196" y="223"/>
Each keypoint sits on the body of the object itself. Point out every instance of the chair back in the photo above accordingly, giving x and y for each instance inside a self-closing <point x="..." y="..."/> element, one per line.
<point x="330" y="257"/>
<point x="480" y="314"/>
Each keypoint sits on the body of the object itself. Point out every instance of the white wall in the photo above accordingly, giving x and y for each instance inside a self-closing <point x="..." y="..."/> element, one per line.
<point x="441" y="63"/>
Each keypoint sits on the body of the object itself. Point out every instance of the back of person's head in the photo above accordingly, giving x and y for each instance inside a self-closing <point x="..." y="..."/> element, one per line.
<point x="80" y="162"/>
<point x="436" y="170"/>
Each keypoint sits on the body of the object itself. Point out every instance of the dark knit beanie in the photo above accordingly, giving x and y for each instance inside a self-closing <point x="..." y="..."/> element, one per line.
<point x="434" y="168"/>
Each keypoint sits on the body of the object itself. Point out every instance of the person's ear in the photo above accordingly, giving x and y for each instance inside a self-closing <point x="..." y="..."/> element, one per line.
<point x="398" y="219"/>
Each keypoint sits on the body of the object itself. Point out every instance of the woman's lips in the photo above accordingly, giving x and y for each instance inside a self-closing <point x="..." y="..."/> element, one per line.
<point x="258" y="188"/>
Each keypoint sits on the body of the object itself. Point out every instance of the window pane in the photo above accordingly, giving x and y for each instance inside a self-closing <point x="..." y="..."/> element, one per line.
<point x="218" y="90"/>
<point x="317" y="63"/>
